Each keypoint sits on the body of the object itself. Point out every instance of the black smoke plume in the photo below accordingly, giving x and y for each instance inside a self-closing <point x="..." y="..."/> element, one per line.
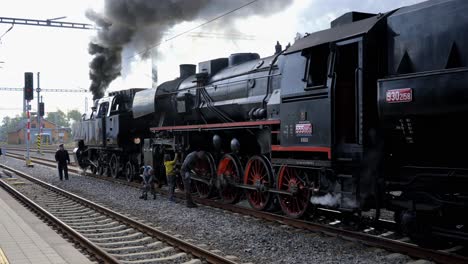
<point x="137" y="25"/>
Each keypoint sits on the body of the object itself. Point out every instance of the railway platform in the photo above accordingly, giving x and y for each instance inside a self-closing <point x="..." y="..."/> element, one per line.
<point x="24" y="238"/>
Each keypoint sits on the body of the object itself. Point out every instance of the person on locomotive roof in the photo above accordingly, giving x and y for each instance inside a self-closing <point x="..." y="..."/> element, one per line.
<point x="148" y="182"/>
<point x="169" y="164"/>
<point x="186" y="172"/>
<point x="63" y="159"/>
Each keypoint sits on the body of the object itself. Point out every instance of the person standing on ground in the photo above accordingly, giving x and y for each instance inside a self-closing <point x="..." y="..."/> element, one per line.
<point x="170" y="174"/>
<point x="63" y="159"/>
<point x="186" y="172"/>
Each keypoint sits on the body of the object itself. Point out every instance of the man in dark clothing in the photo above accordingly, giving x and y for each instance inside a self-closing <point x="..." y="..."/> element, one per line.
<point x="62" y="158"/>
<point x="186" y="172"/>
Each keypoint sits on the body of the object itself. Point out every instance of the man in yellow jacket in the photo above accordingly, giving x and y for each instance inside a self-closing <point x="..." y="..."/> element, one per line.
<point x="170" y="174"/>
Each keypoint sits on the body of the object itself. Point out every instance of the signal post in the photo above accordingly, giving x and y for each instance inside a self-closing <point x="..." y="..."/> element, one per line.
<point x="28" y="96"/>
<point x="40" y="114"/>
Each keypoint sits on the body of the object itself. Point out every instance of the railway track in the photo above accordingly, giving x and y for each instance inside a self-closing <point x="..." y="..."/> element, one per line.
<point x="44" y="161"/>
<point x="381" y="234"/>
<point x="49" y="150"/>
<point x="108" y="235"/>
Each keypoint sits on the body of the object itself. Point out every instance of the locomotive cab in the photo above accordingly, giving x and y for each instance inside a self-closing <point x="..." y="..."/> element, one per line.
<point x="328" y="108"/>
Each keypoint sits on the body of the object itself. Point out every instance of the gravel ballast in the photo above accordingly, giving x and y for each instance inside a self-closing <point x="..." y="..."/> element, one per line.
<point x="247" y="238"/>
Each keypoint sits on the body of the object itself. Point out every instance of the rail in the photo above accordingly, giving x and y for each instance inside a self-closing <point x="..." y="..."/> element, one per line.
<point x="370" y="240"/>
<point x="207" y="255"/>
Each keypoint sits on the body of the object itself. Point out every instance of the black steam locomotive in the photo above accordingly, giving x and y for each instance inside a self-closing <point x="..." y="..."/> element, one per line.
<point x="365" y="115"/>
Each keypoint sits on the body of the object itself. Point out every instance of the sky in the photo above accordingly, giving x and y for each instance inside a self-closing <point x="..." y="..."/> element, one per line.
<point x="61" y="55"/>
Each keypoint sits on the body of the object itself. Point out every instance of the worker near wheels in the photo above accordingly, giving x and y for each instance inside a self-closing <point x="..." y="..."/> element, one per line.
<point x="148" y="182"/>
<point x="169" y="164"/>
<point x="186" y="171"/>
<point x="63" y="159"/>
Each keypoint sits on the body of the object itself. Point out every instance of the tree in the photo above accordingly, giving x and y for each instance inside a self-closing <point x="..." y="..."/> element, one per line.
<point x="9" y="124"/>
<point x="4" y="128"/>
<point x="73" y="115"/>
<point x="59" y="118"/>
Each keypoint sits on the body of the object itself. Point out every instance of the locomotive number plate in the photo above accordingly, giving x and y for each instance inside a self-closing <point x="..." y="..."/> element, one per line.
<point x="304" y="129"/>
<point x="400" y="95"/>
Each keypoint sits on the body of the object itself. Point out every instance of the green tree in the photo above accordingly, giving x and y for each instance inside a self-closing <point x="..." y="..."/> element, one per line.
<point x="73" y="115"/>
<point x="4" y="128"/>
<point x="9" y="124"/>
<point x="59" y="118"/>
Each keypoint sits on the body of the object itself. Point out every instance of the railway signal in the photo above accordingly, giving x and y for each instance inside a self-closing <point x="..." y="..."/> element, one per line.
<point x="28" y="96"/>
<point x="41" y="109"/>
<point x="28" y="86"/>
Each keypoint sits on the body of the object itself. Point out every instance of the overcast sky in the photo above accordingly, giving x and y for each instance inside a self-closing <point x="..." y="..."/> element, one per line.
<point x="61" y="55"/>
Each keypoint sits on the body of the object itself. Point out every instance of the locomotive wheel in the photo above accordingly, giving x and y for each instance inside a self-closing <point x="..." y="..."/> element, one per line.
<point x="94" y="169"/>
<point x="259" y="174"/>
<point x="294" y="181"/>
<point x="114" y="166"/>
<point x="101" y="168"/>
<point x="205" y="169"/>
<point x="229" y="171"/>
<point x="129" y="171"/>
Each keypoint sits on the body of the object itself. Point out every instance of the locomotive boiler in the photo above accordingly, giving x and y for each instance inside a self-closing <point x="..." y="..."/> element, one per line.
<point x="367" y="114"/>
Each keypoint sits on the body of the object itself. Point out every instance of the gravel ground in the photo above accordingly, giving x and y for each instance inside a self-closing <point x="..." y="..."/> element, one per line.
<point x="247" y="238"/>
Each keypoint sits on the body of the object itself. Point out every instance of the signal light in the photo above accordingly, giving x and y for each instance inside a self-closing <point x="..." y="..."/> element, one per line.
<point x="41" y="109"/>
<point x="28" y="86"/>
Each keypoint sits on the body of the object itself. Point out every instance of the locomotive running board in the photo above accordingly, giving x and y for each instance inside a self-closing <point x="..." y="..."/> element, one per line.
<point x="234" y="125"/>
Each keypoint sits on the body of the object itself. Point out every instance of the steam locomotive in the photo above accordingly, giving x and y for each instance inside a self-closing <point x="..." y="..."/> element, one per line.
<point x="365" y="115"/>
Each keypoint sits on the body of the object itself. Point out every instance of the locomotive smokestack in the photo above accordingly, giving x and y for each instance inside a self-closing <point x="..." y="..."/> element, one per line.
<point x="238" y="58"/>
<point x="134" y="26"/>
<point x="187" y="70"/>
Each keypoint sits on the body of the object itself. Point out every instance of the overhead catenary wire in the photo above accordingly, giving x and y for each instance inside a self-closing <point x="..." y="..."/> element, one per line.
<point x="192" y="29"/>
<point x="8" y="30"/>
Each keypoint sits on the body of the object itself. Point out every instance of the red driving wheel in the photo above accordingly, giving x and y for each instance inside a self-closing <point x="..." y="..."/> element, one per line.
<point x="294" y="181"/>
<point x="229" y="172"/>
<point x="258" y="173"/>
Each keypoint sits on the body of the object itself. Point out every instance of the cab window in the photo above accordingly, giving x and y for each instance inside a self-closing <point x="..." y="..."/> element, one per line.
<point x="103" y="109"/>
<point x="315" y="74"/>
<point x="115" y="105"/>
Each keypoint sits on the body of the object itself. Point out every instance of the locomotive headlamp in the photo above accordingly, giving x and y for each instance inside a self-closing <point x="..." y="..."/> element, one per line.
<point x="136" y="140"/>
